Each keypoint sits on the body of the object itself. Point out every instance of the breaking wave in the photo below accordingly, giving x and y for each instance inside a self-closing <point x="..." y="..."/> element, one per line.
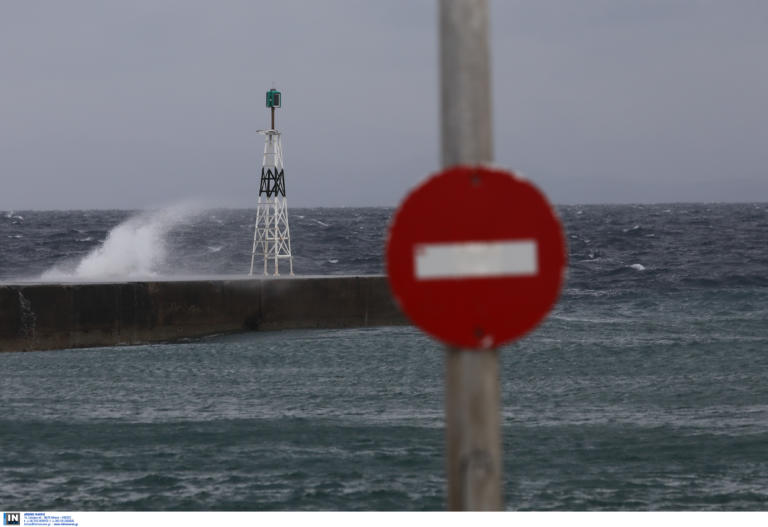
<point x="134" y="249"/>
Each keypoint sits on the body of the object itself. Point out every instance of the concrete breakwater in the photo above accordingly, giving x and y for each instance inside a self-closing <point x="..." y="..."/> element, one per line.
<point x="40" y="316"/>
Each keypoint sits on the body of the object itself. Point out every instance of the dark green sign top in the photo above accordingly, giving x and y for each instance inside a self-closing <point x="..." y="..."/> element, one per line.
<point x="274" y="99"/>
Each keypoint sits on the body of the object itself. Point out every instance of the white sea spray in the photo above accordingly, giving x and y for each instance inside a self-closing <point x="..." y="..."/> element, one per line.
<point x="134" y="249"/>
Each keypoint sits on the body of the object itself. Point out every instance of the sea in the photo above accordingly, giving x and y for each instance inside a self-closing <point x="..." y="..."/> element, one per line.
<point x="646" y="388"/>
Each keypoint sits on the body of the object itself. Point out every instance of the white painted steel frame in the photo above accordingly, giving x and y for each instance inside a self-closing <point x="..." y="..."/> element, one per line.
<point x="271" y="234"/>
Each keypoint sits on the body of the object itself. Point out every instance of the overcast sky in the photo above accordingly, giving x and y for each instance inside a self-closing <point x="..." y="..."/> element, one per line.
<point x="150" y="102"/>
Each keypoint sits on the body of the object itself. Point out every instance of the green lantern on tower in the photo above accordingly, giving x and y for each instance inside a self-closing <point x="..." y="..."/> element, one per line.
<point x="274" y="98"/>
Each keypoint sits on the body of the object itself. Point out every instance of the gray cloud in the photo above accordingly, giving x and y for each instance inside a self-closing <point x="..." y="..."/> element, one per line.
<point x="137" y="104"/>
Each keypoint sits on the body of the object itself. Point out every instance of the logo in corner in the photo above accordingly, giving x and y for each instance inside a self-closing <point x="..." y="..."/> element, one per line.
<point x="11" y="518"/>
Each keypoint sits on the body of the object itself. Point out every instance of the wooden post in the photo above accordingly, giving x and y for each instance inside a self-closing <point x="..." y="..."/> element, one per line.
<point x="472" y="430"/>
<point x="465" y="82"/>
<point x="472" y="395"/>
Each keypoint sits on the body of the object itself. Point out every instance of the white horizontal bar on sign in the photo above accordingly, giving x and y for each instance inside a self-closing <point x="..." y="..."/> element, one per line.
<point x="476" y="259"/>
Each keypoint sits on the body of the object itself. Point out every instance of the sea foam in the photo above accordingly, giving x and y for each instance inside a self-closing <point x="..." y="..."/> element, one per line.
<point x="134" y="249"/>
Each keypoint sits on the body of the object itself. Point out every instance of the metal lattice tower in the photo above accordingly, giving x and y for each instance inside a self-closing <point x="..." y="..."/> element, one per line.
<point x="271" y="235"/>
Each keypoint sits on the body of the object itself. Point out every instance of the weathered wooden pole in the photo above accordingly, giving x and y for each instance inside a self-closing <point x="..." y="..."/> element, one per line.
<point x="465" y="82"/>
<point x="472" y="395"/>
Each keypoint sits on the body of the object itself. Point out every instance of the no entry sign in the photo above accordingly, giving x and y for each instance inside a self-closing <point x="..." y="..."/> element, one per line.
<point x="476" y="256"/>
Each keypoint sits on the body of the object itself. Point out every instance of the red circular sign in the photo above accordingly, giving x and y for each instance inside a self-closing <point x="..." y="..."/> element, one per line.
<point x="476" y="256"/>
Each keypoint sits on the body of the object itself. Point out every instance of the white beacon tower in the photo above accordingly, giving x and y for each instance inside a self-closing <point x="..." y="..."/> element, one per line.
<point x="271" y="236"/>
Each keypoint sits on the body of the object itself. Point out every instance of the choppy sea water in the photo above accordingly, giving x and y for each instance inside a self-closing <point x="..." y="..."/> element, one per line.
<point x="647" y="387"/>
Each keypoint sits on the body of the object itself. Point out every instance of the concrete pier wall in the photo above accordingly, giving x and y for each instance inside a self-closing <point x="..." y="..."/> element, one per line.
<point x="74" y="315"/>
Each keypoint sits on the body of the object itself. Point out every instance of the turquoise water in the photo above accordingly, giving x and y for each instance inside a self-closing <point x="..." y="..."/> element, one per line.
<point x="647" y="388"/>
<point x="619" y="401"/>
